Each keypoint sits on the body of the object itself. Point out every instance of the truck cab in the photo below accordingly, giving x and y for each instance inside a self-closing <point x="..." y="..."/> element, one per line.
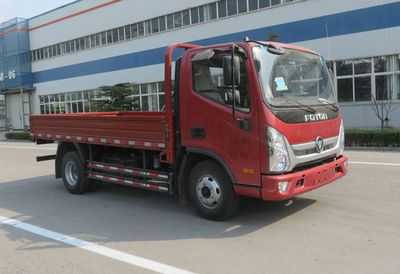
<point x="266" y="113"/>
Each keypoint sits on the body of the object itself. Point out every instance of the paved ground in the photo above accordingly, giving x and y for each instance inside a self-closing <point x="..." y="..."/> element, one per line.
<point x="351" y="226"/>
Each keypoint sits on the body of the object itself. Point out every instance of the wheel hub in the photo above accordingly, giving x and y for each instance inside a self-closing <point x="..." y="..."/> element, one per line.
<point x="205" y="191"/>
<point x="208" y="191"/>
<point x="71" y="173"/>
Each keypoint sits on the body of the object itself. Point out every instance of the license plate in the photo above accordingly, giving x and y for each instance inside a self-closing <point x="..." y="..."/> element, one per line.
<point x="323" y="176"/>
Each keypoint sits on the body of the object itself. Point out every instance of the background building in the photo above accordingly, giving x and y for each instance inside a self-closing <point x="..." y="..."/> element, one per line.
<point x="56" y="62"/>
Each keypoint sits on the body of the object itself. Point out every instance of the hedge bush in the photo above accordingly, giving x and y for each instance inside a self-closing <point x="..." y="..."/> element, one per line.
<point x="372" y="138"/>
<point x="18" y="135"/>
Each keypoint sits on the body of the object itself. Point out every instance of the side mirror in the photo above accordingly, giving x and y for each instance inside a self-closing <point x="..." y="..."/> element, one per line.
<point x="227" y="67"/>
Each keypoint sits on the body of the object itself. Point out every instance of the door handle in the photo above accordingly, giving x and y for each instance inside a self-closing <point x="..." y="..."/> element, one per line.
<point x="197" y="132"/>
<point x="244" y="124"/>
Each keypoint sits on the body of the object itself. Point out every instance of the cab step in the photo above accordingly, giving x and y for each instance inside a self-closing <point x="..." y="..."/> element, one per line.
<point x="135" y="172"/>
<point x="144" y="184"/>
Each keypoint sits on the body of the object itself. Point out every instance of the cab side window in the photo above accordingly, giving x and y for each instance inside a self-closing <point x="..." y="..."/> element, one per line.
<point x="208" y="81"/>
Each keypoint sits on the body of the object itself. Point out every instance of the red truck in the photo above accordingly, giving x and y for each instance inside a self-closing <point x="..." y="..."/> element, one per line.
<point x="255" y="119"/>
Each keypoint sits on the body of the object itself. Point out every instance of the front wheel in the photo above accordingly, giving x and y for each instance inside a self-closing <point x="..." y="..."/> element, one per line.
<point x="211" y="191"/>
<point x="74" y="173"/>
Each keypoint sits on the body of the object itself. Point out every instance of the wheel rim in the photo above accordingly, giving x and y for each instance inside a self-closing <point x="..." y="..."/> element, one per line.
<point x="71" y="173"/>
<point x="208" y="191"/>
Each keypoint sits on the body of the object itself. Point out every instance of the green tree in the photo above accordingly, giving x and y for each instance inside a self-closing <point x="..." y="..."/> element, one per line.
<point x="116" y="98"/>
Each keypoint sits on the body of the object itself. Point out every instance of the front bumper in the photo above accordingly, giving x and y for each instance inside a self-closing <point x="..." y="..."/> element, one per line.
<point x="302" y="181"/>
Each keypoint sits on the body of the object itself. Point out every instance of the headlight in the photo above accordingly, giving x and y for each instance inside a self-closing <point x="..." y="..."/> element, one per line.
<point x="277" y="151"/>
<point x="341" y="138"/>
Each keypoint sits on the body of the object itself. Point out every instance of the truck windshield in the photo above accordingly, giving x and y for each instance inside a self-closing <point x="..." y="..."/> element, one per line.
<point x="294" y="79"/>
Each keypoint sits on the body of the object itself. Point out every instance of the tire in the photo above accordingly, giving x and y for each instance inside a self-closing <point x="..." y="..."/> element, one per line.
<point x="211" y="191"/>
<point x="74" y="173"/>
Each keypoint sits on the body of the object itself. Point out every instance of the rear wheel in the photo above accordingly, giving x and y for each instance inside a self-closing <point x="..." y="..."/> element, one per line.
<point x="211" y="191"/>
<point x="74" y="173"/>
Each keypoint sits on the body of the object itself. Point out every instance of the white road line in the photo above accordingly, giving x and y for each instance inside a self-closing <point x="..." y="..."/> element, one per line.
<point x="35" y="148"/>
<point x="92" y="247"/>
<point x="374" y="163"/>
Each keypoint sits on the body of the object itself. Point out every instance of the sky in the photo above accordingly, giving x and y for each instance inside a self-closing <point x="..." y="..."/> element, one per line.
<point x="27" y="8"/>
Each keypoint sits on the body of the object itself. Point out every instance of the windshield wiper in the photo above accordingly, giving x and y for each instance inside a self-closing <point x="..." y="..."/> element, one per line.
<point x="323" y="100"/>
<point x="305" y="107"/>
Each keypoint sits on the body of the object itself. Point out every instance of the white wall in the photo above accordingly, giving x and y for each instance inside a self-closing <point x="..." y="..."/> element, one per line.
<point x="119" y="14"/>
<point x="365" y="44"/>
<point x="361" y="115"/>
<point x="130" y="12"/>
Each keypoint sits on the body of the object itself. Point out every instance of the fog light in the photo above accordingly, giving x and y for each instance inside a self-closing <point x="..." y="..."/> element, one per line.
<point x="283" y="186"/>
<point x="300" y="183"/>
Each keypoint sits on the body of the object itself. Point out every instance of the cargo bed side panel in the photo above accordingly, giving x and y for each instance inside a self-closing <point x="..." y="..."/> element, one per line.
<point x="127" y="129"/>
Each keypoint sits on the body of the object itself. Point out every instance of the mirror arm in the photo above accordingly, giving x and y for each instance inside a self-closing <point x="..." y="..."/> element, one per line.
<point x="233" y="83"/>
<point x="242" y="123"/>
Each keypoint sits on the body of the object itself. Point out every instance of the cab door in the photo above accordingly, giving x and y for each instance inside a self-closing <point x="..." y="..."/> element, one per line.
<point x="207" y="119"/>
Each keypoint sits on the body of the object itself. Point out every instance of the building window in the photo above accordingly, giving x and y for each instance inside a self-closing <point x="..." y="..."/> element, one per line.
<point x="50" y="52"/>
<point x="177" y="20"/>
<point x="344" y="68"/>
<point x="195" y="15"/>
<point x="362" y="66"/>
<point x="33" y="55"/>
<point x="346" y="90"/>
<point x="148" y="27"/>
<point x="87" y="42"/>
<point x="121" y="34"/>
<point x="170" y="21"/>
<point x="212" y="11"/>
<point x="134" y="29"/>
<point x="202" y="14"/>
<point x="359" y="79"/>
<point x="242" y="6"/>
<point x="362" y="86"/>
<point x="384" y="87"/>
<point x="222" y="9"/>
<point x="264" y="3"/>
<point x="145" y="97"/>
<point x="103" y="38"/>
<point x="186" y="18"/>
<point x="46" y="52"/>
<point x="162" y="23"/>
<point x="232" y="7"/>
<point x="275" y="2"/>
<point x="109" y="36"/>
<point x="114" y="35"/>
<point x="128" y="32"/>
<point x="155" y="25"/>
<point x="253" y="5"/>
<point x="383" y="64"/>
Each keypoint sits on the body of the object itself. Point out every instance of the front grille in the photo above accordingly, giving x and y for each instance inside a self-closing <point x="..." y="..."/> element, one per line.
<point x="304" y="152"/>
<point x="319" y="162"/>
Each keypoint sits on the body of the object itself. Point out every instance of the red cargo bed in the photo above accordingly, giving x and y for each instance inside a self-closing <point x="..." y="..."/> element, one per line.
<point x="144" y="130"/>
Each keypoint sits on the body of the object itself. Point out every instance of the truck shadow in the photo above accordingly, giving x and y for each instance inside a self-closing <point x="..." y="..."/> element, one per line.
<point x="122" y="214"/>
